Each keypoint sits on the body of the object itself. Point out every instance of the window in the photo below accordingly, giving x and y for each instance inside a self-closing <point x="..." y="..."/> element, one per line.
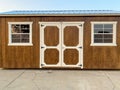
<point x="103" y="34"/>
<point x="20" y="33"/>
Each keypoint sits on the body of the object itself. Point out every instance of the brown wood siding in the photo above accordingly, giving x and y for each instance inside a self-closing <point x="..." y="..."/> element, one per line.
<point x="3" y="31"/>
<point x="95" y="57"/>
<point x="0" y="45"/>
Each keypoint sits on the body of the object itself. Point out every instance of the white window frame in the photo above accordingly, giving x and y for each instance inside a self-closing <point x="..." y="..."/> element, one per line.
<point x="10" y="43"/>
<point x="114" y="33"/>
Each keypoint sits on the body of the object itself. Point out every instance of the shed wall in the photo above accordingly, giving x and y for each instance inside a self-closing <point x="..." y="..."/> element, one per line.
<point x="95" y="57"/>
<point x="0" y="45"/>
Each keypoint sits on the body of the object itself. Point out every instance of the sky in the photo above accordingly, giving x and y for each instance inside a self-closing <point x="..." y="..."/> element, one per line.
<point x="9" y="5"/>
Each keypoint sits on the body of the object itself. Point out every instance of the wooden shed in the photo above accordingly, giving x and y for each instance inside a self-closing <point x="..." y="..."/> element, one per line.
<point x="81" y="39"/>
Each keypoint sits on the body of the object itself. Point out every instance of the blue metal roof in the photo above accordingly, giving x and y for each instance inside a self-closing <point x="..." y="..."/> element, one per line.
<point x="61" y="12"/>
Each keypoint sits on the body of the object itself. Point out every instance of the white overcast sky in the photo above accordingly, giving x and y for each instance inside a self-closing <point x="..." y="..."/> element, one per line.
<point x="8" y="5"/>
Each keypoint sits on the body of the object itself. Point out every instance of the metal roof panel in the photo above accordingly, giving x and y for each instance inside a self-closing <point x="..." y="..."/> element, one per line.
<point x="59" y="12"/>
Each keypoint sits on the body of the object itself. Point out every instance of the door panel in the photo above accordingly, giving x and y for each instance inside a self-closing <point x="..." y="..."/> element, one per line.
<point x="71" y="56"/>
<point x="51" y="56"/>
<point x="51" y="35"/>
<point x="71" y="36"/>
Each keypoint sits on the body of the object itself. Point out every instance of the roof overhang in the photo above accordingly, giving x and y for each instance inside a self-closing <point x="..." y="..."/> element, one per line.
<point x="59" y="14"/>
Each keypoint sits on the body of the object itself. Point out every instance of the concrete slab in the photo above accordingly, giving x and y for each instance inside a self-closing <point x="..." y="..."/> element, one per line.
<point x="8" y="76"/>
<point x="59" y="80"/>
<point x="73" y="80"/>
<point x="114" y="76"/>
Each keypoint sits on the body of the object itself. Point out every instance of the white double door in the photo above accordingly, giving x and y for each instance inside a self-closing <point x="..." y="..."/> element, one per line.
<point x="61" y="44"/>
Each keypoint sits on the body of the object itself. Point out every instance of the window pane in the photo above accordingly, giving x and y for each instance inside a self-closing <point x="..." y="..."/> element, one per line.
<point x="108" y="40"/>
<point x="25" y="28"/>
<point x="25" y="36"/>
<point x="20" y="38"/>
<point x="25" y="31"/>
<point x="98" y="35"/>
<point x="108" y="36"/>
<point x="25" y="41"/>
<point x="98" y="30"/>
<point x="17" y="36"/>
<point x="108" y="30"/>
<point x="15" y="40"/>
<point x="98" y="25"/>
<point x="98" y="40"/>
<point x="108" y="26"/>
<point x="16" y="28"/>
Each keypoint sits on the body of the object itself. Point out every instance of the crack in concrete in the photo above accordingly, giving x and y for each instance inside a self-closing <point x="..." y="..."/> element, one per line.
<point x="110" y="80"/>
<point x="34" y="82"/>
<point x="13" y="80"/>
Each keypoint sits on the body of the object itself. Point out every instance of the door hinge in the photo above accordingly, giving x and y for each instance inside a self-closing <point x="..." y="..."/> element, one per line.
<point x="42" y="25"/>
<point x="80" y="65"/>
<point x="80" y="25"/>
<point x="42" y="64"/>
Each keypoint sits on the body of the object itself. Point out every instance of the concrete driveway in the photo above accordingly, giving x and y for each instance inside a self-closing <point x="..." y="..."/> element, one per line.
<point x="59" y="80"/>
